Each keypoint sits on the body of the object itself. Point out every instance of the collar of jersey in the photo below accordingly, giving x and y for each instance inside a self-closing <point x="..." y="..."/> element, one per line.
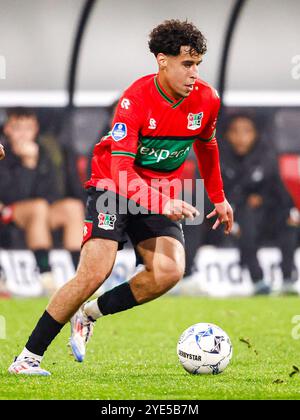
<point x="165" y="96"/>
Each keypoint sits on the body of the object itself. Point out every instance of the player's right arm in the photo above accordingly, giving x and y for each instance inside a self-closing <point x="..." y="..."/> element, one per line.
<point x="126" y="126"/>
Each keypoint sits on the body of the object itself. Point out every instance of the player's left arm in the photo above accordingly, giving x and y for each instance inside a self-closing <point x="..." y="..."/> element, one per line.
<point x="207" y="152"/>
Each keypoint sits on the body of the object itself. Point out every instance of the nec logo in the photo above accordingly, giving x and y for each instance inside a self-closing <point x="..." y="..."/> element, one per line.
<point x="125" y="103"/>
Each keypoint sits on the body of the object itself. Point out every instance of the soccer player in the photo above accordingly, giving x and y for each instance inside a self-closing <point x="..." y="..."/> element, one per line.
<point x="157" y="121"/>
<point x="2" y="152"/>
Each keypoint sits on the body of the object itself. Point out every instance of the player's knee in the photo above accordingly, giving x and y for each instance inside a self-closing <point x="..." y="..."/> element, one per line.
<point x="169" y="274"/>
<point x="39" y="208"/>
<point x="176" y="274"/>
<point x="73" y="208"/>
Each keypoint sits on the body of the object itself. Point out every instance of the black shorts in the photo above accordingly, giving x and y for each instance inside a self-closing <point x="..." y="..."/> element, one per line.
<point x="101" y="223"/>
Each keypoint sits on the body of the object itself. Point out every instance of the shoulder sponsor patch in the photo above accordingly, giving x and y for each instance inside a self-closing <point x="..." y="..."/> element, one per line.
<point x="119" y="131"/>
<point x="125" y="104"/>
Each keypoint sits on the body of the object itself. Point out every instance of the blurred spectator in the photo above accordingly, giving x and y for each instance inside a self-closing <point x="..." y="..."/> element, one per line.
<point x="2" y="153"/>
<point x="32" y="196"/>
<point x="261" y="203"/>
<point x="193" y="231"/>
<point x="106" y="129"/>
<point x="3" y="291"/>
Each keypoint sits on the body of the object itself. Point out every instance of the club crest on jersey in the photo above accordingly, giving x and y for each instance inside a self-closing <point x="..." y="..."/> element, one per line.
<point x="194" y="120"/>
<point x="119" y="131"/>
<point x="106" y="221"/>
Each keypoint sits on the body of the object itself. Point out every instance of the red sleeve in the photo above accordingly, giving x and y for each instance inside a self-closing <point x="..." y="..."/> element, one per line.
<point x="207" y="152"/>
<point x="126" y="125"/>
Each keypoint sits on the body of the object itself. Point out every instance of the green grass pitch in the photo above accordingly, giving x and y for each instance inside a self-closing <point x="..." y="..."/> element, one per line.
<point x="133" y="354"/>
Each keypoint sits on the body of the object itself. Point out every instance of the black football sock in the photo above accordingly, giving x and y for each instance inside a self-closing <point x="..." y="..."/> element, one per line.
<point x="42" y="260"/>
<point x="75" y="258"/>
<point x="116" y="300"/>
<point x="44" y="333"/>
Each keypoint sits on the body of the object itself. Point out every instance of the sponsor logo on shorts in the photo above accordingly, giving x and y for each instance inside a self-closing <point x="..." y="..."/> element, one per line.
<point x="194" y="120"/>
<point x="119" y="131"/>
<point x="106" y="221"/>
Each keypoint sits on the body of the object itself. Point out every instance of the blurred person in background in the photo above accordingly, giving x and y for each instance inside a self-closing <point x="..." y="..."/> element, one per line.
<point x="3" y="291"/>
<point x="106" y="130"/>
<point x="2" y="152"/>
<point x="30" y="196"/>
<point x="254" y="187"/>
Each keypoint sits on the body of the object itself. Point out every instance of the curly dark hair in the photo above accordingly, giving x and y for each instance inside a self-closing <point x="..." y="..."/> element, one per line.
<point x="169" y="36"/>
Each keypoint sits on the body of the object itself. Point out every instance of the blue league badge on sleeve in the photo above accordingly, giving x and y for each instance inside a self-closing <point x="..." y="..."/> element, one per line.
<point x="119" y="131"/>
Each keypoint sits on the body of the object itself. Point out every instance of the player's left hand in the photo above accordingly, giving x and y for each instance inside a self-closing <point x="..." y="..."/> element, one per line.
<point x="224" y="214"/>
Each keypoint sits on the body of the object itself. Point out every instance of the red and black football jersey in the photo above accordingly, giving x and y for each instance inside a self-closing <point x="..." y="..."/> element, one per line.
<point x="153" y="133"/>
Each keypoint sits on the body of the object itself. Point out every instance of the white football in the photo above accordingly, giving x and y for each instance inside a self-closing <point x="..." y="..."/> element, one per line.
<point x="204" y="349"/>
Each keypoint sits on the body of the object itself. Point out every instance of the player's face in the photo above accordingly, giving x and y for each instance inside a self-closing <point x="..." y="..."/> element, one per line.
<point x="242" y="135"/>
<point x="21" y="130"/>
<point x="178" y="74"/>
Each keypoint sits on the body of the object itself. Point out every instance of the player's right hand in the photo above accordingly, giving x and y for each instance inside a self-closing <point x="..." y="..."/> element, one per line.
<point x="224" y="213"/>
<point x="177" y="210"/>
<point x="2" y="152"/>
